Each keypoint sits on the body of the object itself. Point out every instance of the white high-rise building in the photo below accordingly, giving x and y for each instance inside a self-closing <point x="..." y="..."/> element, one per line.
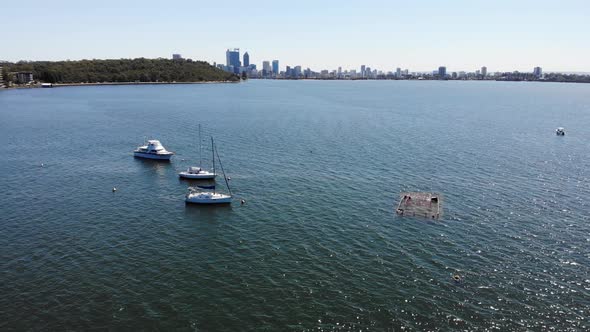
<point x="266" y="68"/>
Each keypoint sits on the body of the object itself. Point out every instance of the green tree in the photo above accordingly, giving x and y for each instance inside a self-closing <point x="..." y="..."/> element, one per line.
<point x="6" y="76"/>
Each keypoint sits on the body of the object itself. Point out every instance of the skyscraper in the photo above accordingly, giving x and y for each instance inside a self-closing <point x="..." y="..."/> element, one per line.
<point x="538" y="72"/>
<point x="363" y="71"/>
<point x="266" y="68"/>
<point x="246" y="59"/>
<point x="275" y="67"/>
<point x="398" y="72"/>
<point x="442" y="72"/>
<point x="484" y="71"/>
<point x="232" y="57"/>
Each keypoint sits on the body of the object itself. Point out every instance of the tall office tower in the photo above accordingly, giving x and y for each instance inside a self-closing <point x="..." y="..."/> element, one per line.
<point x="538" y="72"/>
<point x="266" y="69"/>
<point x="232" y="57"/>
<point x="275" y="67"/>
<point x="246" y="59"/>
<point x="363" y="70"/>
<point x="442" y="72"/>
<point x="484" y="71"/>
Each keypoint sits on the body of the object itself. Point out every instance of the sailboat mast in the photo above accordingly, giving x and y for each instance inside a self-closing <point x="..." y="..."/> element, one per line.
<point x="224" y="177"/>
<point x="213" y="152"/>
<point x="200" y="148"/>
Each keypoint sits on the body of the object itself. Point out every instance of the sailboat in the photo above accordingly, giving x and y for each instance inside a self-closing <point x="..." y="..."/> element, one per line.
<point x="194" y="172"/>
<point x="200" y="196"/>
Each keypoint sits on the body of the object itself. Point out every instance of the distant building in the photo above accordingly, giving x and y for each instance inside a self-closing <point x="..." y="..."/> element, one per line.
<point x="266" y="69"/>
<point x="538" y="72"/>
<point x="176" y="57"/>
<point x="484" y="71"/>
<point x="1" y="76"/>
<point x="24" y="77"/>
<point x="297" y="71"/>
<point x="398" y="72"/>
<point x="442" y="72"/>
<point x="363" y="68"/>
<point x="232" y="59"/>
<point x="246" y="59"/>
<point x="275" y="67"/>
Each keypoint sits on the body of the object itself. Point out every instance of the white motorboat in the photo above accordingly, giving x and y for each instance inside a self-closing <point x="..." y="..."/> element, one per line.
<point x="153" y="150"/>
<point x="194" y="172"/>
<point x="202" y="196"/>
<point x="560" y="131"/>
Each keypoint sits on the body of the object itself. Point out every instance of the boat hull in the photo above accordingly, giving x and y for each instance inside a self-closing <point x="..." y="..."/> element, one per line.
<point x="152" y="156"/>
<point x="187" y="175"/>
<point x="223" y="199"/>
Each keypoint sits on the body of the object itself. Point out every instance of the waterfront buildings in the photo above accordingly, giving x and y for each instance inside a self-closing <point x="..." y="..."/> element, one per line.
<point x="24" y="77"/>
<point x="538" y="72"/>
<point x="176" y="57"/>
<point x="484" y="71"/>
<point x="275" y="67"/>
<point x="246" y="59"/>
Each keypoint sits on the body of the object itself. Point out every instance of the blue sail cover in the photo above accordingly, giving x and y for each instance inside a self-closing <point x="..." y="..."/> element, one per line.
<point x="203" y="186"/>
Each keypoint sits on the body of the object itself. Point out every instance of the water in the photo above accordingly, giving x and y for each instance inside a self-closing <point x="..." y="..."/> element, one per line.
<point x="317" y="246"/>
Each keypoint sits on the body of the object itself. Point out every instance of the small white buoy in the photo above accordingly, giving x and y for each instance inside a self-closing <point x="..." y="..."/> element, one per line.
<point x="42" y="165"/>
<point x="228" y="178"/>
<point x="114" y="189"/>
<point x="243" y="201"/>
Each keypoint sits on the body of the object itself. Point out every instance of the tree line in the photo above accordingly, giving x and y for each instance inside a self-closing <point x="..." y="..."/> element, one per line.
<point x="121" y="70"/>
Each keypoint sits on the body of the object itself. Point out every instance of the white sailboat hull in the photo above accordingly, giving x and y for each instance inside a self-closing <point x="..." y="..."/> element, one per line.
<point x="202" y="176"/>
<point x="208" y="198"/>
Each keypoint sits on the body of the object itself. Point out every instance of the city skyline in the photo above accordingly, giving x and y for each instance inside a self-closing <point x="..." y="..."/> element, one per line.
<point x="233" y="64"/>
<point x="502" y="35"/>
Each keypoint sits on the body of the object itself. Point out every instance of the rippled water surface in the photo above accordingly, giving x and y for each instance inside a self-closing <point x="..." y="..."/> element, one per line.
<point x="317" y="246"/>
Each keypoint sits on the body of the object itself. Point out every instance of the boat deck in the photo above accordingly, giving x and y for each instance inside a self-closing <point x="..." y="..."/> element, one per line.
<point x="420" y="204"/>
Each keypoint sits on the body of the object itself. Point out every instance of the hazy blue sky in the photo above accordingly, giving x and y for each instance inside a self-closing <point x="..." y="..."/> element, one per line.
<point x="418" y="35"/>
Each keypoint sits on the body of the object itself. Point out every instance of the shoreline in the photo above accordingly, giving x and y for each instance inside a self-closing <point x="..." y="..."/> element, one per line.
<point x="59" y="85"/>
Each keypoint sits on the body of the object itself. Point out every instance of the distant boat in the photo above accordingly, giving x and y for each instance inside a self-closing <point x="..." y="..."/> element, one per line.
<point x="153" y="150"/>
<point x="200" y="196"/>
<point x="560" y="131"/>
<point x="194" y="172"/>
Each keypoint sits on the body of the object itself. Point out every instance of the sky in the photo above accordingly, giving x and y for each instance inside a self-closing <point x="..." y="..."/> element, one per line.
<point x="419" y="35"/>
